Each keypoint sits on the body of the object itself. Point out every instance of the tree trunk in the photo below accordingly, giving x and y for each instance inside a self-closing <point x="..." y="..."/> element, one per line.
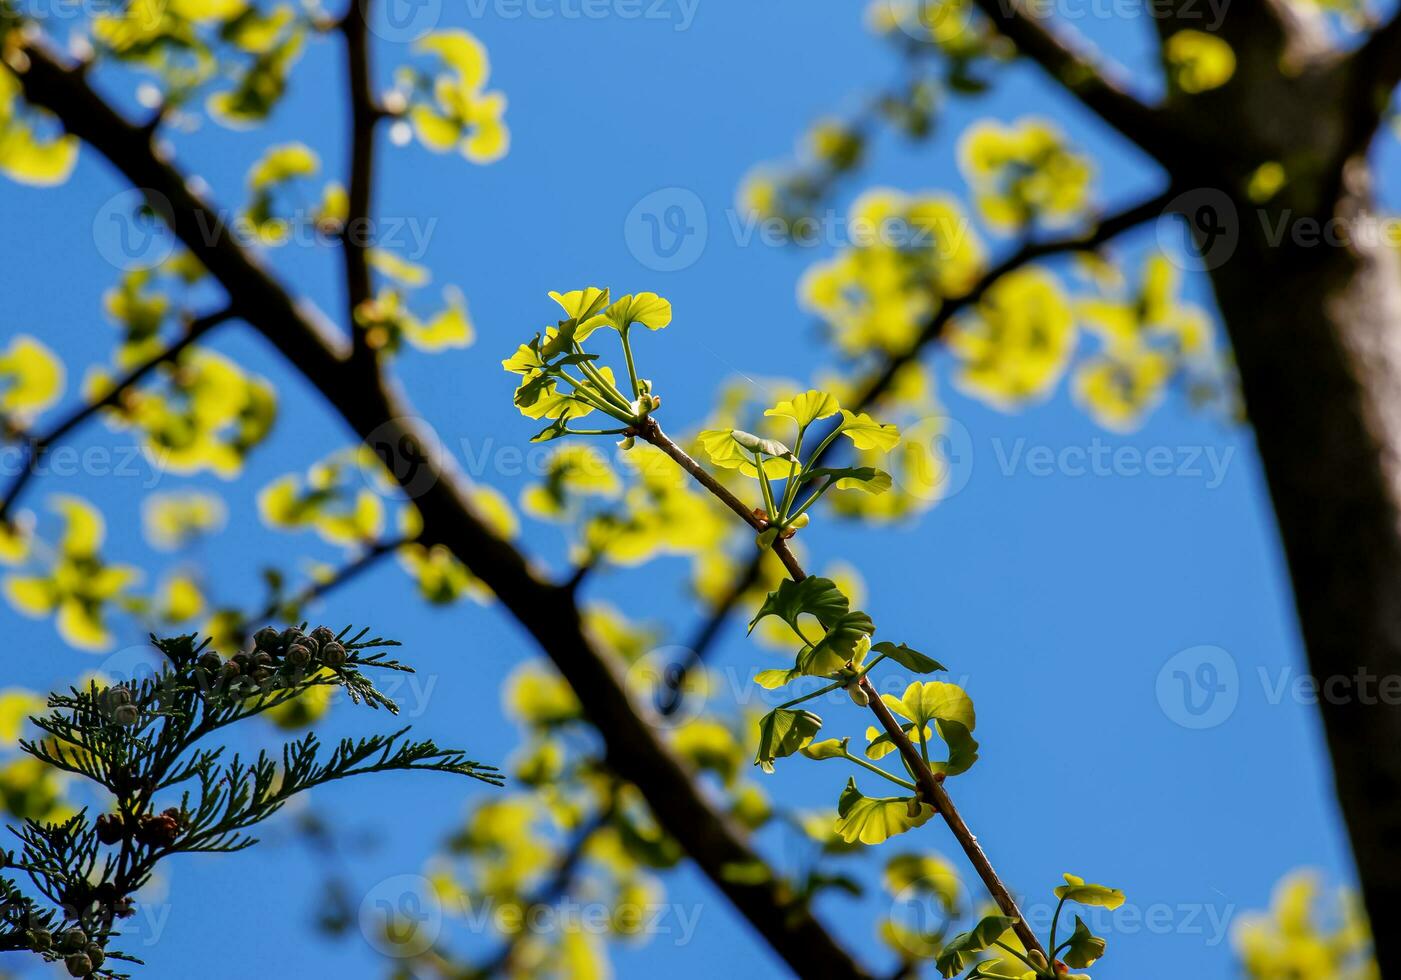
<point x="1317" y="333"/>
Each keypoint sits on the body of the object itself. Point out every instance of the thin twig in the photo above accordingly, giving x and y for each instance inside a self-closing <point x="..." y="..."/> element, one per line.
<point x="930" y="788"/>
<point x="37" y="445"/>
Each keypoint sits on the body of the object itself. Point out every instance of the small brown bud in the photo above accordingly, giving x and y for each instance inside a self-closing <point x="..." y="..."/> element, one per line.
<point x="40" y="940"/>
<point x="72" y="940"/>
<point x="266" y="638"/>
<point x="78" y="964"/>
<point x="126" y="715"/>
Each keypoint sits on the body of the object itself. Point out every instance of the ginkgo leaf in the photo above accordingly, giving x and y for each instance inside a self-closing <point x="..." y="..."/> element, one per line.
<point x="908" y="658"/>
<point x="648" y="309"/>
<point x="760" y="445"/>
<point x="958" y="953"/>
<point x="816" y="596"/>
<point x="866" y="478"/>
<point x="866" y="433"/>
<point x="1084" y="946"/>
<point x="874" y="820"/>
<point x="772" y="679"/>
<point x="837" y="646"/>
<point x="783" y="732"/>
<point x="282" y="163"/>
<point x="1077" y="890"/>
<point x="435" y="131"/>
<point x="806" y="408"/>
<point x="928" y="701"/>
<point x="400" y="270"/>
<point x="724" y="451"/>
<point x="460" y="51"/>
<point x="832" y="748"/>
<point x="580" y="304"/>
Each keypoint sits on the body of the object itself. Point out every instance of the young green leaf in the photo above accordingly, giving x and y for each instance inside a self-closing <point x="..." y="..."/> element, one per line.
<point x="832" y="748"/>
<point x="837" y="646"/>
<point x="909" y="659"/>
<point x="927" y="701"/>
<point x="866" y="433"/>
<point x="866" y="478"/>
<point x="760" y="445"/>
<point x="1085" y="947"/>
<point x="783" y="732"/>
<point x="806" y="408"/>
<point x="818" y="597"/>
<point x="1076" y="890"/>
<point x="648" y="309"/>
<point x="874" y="820"/>
<point x="580" y="304"/>
<point x="958" y="953"/>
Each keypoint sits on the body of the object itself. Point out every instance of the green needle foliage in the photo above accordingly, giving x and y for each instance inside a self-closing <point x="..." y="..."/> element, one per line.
<point x="152" y="745"/>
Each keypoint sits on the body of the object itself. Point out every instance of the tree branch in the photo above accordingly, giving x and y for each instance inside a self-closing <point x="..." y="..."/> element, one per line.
<point x="374" y="409"/>
<point x="1117" y="223"/>
<point x="365" y="113"/>
<point x="930" y="785"/>
<point x="36" y="445"/>
<point x="1080" y="74"/>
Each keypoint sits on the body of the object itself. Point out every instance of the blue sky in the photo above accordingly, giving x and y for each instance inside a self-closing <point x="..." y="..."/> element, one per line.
<point x="1057" y="599"/>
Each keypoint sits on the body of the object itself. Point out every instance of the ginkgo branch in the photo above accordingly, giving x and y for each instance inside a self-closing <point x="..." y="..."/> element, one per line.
<point x="930" y="786"/>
